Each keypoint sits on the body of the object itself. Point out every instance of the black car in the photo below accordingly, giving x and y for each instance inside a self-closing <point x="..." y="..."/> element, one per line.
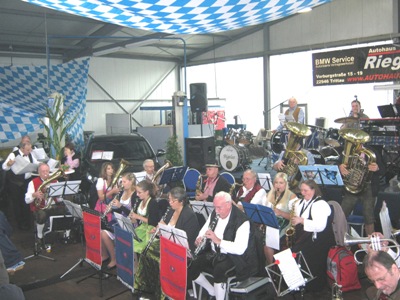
<point x="133" y="148"/>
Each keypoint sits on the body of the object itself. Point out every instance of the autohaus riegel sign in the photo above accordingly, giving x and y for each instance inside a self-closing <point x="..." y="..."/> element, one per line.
<point x="369" y="64"/>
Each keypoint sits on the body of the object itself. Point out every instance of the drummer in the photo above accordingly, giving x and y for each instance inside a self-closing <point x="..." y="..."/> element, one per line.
<point x="213" y="184"/>
<point x="296" y="112"/>
<point x="355" y="115"/>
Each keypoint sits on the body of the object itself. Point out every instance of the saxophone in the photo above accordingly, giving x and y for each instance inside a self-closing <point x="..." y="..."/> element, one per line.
<point x="43" y="188"/>
<point x="291" y="231"/>
<point x="203" y="241"/>
<point x="356" y="163"/>
<point x="199" y="183"/>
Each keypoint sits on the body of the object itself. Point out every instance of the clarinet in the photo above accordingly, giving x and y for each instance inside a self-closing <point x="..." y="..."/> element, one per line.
<point x="203" y="242"/>
<point x="163" y="218"/>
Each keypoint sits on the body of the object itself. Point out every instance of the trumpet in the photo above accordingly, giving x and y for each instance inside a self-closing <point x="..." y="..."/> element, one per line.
<point x="155" y="232"/>
<point x="374" y="241"/>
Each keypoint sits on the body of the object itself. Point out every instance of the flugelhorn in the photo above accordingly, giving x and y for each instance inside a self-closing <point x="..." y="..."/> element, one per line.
<point x="375" y="241"/>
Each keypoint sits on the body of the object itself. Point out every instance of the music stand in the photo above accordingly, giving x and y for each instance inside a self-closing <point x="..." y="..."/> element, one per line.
<point x="202" y="207"/>
<point x="98" y="271"/>
<point x="261" y="214"/>
<point x="126" y="224"/>
<point x="387" y="111"/>
<point x="172" y="175"/>
<point x="178" y="236"/>
<point x="76" y="212"/>
<point x="288" y="278"/>
<point x="265" y="180"/>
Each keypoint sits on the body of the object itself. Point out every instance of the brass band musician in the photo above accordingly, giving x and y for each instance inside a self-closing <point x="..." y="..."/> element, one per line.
<point x="213" y="184"/>
<point x="296" y="112"/>
<point x="279" y="198"/>
<point x="313" y="234"/>
<point x="37" y="199"/>
<point x="251" y="191"/>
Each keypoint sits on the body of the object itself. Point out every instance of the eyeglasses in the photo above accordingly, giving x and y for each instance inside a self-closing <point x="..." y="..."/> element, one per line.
<point x="381" y="279"/>
<point x="172" y="200"/>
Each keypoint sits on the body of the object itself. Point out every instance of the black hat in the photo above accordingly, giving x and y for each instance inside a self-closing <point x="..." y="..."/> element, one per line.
<point x="212" y="165"/>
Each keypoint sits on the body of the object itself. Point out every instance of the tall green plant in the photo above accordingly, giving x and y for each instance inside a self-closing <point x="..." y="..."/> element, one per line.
<point x="57" y="129"/>
<point x="174" y="151"/>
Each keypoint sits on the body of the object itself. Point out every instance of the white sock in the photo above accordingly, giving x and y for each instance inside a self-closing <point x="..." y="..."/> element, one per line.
<point x="39" y="228"/>
<point x="219" y="289"/>
<point x="202" y="280"/>
<point x="67" y="233"/>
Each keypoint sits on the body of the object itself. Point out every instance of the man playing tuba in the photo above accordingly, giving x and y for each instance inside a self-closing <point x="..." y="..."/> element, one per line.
<point x="40" y="204"/>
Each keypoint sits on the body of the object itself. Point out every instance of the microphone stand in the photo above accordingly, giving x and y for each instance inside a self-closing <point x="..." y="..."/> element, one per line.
<point x="265" y="112"/>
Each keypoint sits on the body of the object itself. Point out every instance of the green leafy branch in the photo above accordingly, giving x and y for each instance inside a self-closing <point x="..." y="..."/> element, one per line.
<point x="57" y="129"/>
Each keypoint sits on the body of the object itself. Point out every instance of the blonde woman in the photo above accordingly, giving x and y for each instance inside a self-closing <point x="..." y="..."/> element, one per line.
<point x="278" y="199"/>
<point x="123" y="203"/>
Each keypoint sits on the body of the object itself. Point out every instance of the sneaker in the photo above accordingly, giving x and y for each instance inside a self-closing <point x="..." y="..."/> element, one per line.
<point x="18" y="266"/>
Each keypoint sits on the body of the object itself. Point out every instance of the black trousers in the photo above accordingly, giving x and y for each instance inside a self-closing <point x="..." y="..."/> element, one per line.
<point x="213" y="263"/>
<point x="16" y="195"/>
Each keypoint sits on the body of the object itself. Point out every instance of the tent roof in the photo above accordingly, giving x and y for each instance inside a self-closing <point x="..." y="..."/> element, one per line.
<point x="141" y="30"/>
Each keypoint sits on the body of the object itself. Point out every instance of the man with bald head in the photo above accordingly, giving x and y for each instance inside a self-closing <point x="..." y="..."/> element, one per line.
<point x="294" y="111"/>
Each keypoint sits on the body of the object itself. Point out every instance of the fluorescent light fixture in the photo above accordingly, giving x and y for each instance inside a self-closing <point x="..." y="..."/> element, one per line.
<point x="387" y="87"/>
<point x="305" y="10"/>
<point x="107" y="51"/>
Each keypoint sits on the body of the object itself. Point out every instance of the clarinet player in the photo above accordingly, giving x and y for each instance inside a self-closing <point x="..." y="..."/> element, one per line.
<point x="232" y="245"/>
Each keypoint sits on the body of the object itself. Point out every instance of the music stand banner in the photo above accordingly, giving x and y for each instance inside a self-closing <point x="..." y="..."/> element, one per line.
<point x="173" y="269"/>
<point x="322" y="174"/>
<point x="92" y="227"/>
<point x="124" y="255"/>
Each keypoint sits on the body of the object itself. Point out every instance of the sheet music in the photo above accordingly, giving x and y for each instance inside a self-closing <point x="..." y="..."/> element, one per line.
<point x="74" y="209"/>
<point x="265" y="180"/>
<point x="140" y="176"/>
<point x="272" y="237"/>
<point x="385" y="221"/>
<point x="40" y="154"/>
<point x="178" y="236"/>
<point x="22" y="166"/>
<point x="125" y="223"/>
<point x="202" y="207"/>
<point x="53" y="164"/>
<point x="104" y="155"/>
<point x="289" y="269"/>
<point x="322" y="174"/>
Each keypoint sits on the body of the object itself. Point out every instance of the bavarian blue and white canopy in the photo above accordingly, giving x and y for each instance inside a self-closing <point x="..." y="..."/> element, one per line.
<point x="181" y="16"/>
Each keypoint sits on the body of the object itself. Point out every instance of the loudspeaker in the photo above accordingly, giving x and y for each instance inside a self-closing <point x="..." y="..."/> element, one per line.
<point x="199" y="152"/>
<point x="198" y="97"/>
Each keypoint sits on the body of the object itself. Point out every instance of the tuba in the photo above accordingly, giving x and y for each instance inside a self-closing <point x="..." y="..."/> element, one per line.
<point x="43" y="188"/>
<point x="156" y="176"/>
<point x="356" y="163"/>
<point x="293" y="157"/>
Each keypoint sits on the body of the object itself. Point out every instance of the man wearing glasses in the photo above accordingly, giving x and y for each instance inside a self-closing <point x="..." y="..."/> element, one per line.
<point x="383" y="272"/>
<point x="251" y="191"/>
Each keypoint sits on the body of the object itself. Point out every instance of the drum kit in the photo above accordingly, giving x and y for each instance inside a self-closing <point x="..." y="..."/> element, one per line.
<point x="236" y="153"/>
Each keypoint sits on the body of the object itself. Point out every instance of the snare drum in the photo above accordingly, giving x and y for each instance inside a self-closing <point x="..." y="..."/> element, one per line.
<point x="231" y="157"/>
<point x="330" y="154"/>
<point x="333" y="138"/>
<point x="278" y="139"/>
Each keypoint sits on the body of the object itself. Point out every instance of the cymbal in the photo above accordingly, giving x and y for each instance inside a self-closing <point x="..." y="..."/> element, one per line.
<point x="347" y="120"/>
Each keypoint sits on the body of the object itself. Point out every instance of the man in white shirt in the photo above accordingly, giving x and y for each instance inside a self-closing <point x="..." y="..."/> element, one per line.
<point x="293" y="111"/>
<point x="232" y="246"/>
<point x="148" y="166"/>
<point x="17" y="184"/>
<point x="251" y="191"/>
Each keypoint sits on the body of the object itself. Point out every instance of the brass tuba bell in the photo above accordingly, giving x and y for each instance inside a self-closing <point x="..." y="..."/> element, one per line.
<point x="294" y="157"/>
<point x="356" y="163"/>
<point x="122" y="166"/>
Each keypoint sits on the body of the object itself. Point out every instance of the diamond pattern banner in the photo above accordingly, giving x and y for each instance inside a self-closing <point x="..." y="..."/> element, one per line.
<point x="24" y="97"/>
<point x="181" y="16"/>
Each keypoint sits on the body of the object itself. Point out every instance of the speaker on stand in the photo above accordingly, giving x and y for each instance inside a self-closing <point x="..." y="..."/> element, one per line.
<point x="198" y="100"/>
<point x="199" y="152"/>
